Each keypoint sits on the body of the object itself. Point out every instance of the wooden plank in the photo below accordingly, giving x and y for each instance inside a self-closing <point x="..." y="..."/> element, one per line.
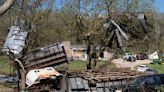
<point x="106" y="75"/>
<point x="46" y="59"/>
<point x="34" y="57"/>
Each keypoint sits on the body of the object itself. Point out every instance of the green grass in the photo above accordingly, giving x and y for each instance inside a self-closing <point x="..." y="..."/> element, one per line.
<point x="81" y="65"/>
<point x="5" y="67"/>
<point x="159" y="68"/>
<point x="77" y="65"/>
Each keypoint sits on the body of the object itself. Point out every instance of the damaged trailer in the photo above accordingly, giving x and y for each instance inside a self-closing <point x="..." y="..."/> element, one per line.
<point x="40" y="63"/>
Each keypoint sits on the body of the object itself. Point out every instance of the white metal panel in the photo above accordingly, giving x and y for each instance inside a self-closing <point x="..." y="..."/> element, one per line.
<point x="31" y="77"/>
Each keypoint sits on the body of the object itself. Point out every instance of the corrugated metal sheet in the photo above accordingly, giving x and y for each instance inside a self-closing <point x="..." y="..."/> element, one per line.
<point x="15" y="41"/>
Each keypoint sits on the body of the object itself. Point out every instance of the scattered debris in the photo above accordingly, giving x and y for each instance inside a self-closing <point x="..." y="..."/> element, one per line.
<point x="101" y="75"/>
<point x="37" y="65"/>
<point x="8" y="79"/>
<point x="101" y="80"/>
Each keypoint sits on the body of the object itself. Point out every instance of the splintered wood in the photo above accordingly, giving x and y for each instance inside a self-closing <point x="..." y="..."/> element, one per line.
<point x="104" y="75"/>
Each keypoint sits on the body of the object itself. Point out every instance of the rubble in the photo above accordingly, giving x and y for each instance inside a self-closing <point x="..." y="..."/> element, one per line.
<point x="102" y="75"/>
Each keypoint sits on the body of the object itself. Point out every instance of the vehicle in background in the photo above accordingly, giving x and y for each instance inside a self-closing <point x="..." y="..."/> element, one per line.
<point x="142" y="68"/>
<point x="141" y="56"/>
<point x="129" y="57"/>
<point x="148" y="83"/>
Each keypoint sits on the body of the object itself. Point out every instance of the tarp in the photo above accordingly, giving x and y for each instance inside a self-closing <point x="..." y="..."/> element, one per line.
<point x="154" y="55"/>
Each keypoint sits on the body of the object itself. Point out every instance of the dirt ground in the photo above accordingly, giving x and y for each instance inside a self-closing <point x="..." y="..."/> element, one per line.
<point x="120" y="63"/>
<point x="4" y="88"/>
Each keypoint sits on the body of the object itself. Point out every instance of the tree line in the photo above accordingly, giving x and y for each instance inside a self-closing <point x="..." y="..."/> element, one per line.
<point x="60" y="20"/>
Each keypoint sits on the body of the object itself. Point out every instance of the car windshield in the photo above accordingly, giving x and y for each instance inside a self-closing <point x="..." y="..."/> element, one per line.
<point x="137" y="81"/>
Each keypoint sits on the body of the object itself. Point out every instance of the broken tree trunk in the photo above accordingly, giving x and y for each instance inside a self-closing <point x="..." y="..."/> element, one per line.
<point x="90" y="48"/>
<point x="89" y="56"/>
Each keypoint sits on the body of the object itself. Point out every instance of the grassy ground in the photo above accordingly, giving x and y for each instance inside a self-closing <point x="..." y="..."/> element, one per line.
<point x="159" y="68"/>
<point x="79" y="65"/>
<point x="5" y="66"/>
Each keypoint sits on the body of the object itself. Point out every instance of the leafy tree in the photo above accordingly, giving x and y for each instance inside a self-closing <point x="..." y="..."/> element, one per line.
<point x="125" y="14"/>
<point x="74" y="19"/>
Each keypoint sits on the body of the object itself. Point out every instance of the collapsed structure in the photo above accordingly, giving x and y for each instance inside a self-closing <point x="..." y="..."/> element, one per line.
<point x="124" y="26"/>
<point x="35" y="66"/>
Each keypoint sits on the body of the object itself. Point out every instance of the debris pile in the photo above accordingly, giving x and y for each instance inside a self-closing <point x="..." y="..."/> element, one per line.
<point x="35" y="68"/>
<point x="49" y="56"/>
<point x="105" y="75"/>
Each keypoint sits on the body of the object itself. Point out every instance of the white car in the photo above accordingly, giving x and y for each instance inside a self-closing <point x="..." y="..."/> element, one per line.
<point x="142" y="68"/>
